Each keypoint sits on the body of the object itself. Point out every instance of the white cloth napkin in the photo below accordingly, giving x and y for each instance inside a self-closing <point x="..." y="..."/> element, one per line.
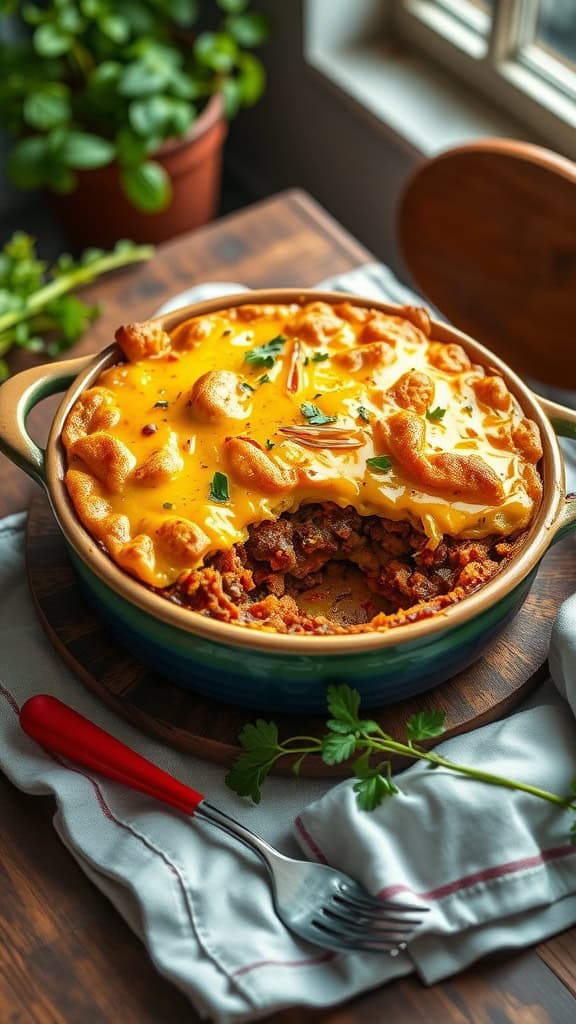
<point x="495" y="866"/>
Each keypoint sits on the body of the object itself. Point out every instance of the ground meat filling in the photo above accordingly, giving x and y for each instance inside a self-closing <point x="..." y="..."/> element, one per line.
<point x="280" y="575"/>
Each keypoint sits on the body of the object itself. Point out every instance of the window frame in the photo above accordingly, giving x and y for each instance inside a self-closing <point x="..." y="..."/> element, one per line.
<point x="503" y="64"/>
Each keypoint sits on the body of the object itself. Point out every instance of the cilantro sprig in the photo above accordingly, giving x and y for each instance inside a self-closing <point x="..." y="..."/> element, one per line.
<point x="37" y="311"/>
<point x="266" y="354"/>
<point x="369" y="749"/>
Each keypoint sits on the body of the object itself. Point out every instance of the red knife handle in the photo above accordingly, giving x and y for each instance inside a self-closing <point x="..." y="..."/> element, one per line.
<point x="61" y="730"/>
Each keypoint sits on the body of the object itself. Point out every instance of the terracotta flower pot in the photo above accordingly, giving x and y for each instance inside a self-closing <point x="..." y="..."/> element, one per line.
<point x="98" y="212"/>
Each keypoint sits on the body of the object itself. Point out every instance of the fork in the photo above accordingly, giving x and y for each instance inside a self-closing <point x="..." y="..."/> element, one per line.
<point x="316" y="902"/>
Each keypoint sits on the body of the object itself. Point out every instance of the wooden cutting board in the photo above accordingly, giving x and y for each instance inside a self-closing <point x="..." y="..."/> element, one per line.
<point x="506" y="673"/>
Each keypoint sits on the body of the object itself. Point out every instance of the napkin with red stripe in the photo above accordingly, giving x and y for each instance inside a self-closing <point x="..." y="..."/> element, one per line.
<point x="495" y="866"/>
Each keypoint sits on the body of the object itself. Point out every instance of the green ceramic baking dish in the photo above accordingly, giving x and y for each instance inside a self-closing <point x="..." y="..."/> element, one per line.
<point x="262" y="670"/>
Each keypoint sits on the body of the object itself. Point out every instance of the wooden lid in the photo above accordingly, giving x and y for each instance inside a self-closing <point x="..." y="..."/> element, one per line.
<point x="488" y="232"/>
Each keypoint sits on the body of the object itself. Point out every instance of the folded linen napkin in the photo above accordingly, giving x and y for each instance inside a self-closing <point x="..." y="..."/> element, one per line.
<point x="467" y="848"/>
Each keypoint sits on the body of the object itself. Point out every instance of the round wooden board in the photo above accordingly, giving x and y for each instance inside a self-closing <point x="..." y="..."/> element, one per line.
<point x="208" y="728"/>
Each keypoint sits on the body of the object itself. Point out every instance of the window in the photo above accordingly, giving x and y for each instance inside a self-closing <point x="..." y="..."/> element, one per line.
<point x="520" y="53"/>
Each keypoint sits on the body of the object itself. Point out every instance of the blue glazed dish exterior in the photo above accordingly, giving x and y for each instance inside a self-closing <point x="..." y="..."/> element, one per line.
<point x="296" y="683"/>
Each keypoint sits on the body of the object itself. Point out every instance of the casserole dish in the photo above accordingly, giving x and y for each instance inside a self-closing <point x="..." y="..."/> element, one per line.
<point x="270" y="671"/>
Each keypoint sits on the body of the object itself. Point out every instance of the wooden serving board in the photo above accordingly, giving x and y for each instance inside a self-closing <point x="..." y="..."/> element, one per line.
<point x="506" y="673"/>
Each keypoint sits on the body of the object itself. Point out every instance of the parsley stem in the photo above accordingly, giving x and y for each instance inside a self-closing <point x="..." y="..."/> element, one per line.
<point x="393" y="747"/>
<point x="68" y="281"/>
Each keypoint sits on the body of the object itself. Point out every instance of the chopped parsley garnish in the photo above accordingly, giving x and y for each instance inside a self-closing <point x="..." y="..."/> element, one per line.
<point x="380" y="462"/>
<point x="168" y="504"/>
<point x="363" y="413"/>
<point x="246" y="386"/>
<point x="161" y="405"/>
<point x="219" y="489"/>
<point x="306" y="360"/>
<point x="468" y="408"/>
<point x="269" y="444"/>
<point x="265" y="355"/>
<point x="264" y="380"/>
<point x="320" y="357"/>
<point x="314" y="415"/>
<point x="435" y="414"/>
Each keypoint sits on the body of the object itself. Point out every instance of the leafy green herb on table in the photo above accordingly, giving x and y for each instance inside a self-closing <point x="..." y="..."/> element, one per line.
<point x="314" y="415"/>
<point x="219" y="488"/>
<point x="381" y="463"/>
<point x="266" y="354"/>
<point x="320" y="357"/>
<point x="37" y="310"/>
<point x="369" y="749"/>
<point x="435" y="415"/>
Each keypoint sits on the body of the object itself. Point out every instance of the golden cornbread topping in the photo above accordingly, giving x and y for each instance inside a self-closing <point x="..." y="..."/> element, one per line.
<point x="244" y="415"/>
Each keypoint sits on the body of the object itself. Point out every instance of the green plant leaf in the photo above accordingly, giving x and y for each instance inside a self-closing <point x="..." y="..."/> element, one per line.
<point x="147" y="186"/>
<point x="425" y="724"/>
<point x="361" y="766"/>
<point x="372" y="791"/>
<point x="233" y="6"/>
<point x="265" y="354"/>
<point x="162" y="116"/>
<point x="184" y="12"/>
<point x="344" y="704"/>
<point x="252" y="78"/>
<point x="50" y="40"/>
<point x="69" y="19"/>
<point x="83" y="150"/>
<point x="114" y="27"/>
<point x="219" y="488"/>
<point x="216" y="51"/>
<point x="130" y="148"/>
<point x="436" y="414"/>
<point x="139" y="79"/>
<point x="314" y="415"/>
<point x="249" y="29"/>
<point x="338" y="747"/>
<point x="260" y="736"/>
<point x="381" y="463"/>
<point x="232" y="95"/>
<point x="47" y="107"/>
<point x="27" y="162"/>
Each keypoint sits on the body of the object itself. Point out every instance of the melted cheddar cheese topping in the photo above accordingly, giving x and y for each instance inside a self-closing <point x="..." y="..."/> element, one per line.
<point x="247" y="413"/>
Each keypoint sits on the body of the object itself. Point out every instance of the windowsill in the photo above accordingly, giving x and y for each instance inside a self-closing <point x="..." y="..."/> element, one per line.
<point x="411" y="96"/>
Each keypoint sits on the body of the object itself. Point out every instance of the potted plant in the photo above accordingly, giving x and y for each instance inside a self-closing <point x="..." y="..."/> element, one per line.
<point x="120" y="107"/>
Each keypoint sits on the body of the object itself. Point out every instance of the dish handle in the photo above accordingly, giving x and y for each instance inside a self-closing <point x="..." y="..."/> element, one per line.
<point x="563" y="421"/>
<point x="18" y="396"/>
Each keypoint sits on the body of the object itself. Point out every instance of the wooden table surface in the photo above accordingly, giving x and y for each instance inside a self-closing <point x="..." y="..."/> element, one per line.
<point x="66" y="956"/>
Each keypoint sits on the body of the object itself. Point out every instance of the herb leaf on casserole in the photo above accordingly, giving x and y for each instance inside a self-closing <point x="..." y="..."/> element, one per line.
<point x="435" y="415"/>
<point x="363" y="413"/>
<point x="369" y="750"/>
<point x="314" y="415"/>
<point x="219" y="488"/>
<point x="381" y="463"/>
<point x="266" y="354"/>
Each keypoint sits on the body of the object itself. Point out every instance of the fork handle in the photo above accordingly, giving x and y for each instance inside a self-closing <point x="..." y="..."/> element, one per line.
<point x="59" y="729"/>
